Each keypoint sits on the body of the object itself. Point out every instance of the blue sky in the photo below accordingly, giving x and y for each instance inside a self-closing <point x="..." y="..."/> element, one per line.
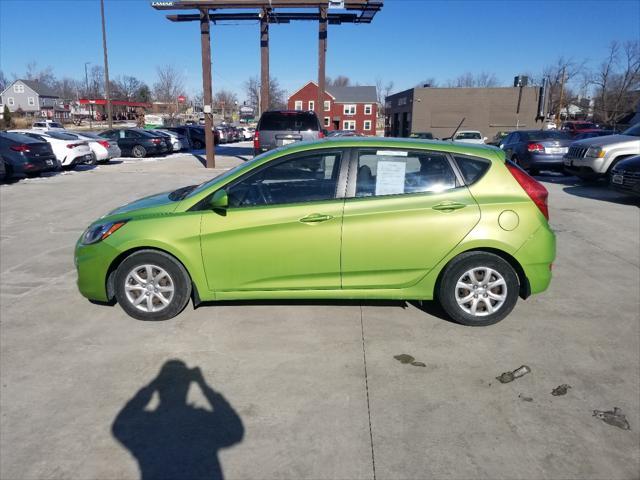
<point x="408" y="41"/>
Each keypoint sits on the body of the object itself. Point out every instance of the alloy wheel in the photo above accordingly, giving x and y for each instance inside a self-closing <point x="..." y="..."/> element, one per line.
<point x="481" y="291"/>
<point x="149" y="288"/>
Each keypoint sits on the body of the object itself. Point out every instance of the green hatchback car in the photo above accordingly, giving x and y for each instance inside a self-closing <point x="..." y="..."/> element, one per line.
<point x="346" y="218"/>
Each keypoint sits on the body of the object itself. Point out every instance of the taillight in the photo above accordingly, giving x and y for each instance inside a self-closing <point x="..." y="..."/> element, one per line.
<point x="74" y="145"/>
<point x="535" y="147"/>
<point x="256" y="140"/>
<point x="320" y="134"/>
<point x="534" y="189"/>
<point x="156" y="141"/>
<point x="104" y="143"/>
<point x="20" y="148"/>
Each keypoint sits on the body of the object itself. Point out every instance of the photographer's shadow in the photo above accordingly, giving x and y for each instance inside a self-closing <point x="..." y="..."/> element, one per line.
<point x="176" y="440"/>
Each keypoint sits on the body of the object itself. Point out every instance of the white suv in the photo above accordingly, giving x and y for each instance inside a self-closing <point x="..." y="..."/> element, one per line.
<point x="46" y="125"/>
<point x="592" y="158"/>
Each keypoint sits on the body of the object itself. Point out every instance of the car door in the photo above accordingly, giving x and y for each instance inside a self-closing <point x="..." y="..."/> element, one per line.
<point x="281" y="230"/>
<point x="405" y="211"/>
<point x="508" y="144"/>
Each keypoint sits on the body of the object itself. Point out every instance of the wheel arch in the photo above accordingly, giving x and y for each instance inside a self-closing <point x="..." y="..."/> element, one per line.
<point x="525" y="287"/>
<point x="110" y="276"/>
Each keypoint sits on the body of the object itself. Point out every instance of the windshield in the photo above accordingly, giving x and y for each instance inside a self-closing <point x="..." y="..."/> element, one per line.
<point x="55" y="125"/>
<point x="548" y="135"/>
<point x="468" y="136"/>
<point x="633" y="131"/>
<point x="62" y="136"/>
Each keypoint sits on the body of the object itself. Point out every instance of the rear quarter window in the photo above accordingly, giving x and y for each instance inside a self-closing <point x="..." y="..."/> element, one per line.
<point x="472" y="168"/>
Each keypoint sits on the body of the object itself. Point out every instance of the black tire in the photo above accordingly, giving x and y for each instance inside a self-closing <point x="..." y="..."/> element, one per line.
<point x="533" y="171"/>
<point x="177" y="274"/>
<point x="447" y="288"/>
<point x="198" y="145"/>
<point x="138" y="151"/>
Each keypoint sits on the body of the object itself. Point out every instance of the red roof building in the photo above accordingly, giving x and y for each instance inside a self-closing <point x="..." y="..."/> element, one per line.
<point x="345" y="108"/>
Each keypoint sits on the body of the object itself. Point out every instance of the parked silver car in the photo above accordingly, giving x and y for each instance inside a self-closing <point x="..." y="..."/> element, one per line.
<point x="282" y="127"/>
<point x="103" y="149"/>
<point x="178" y="142"/>
<point x="593" y="158"/>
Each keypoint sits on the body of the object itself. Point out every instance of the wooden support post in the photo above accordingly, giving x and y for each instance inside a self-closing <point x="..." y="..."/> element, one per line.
<point x="205" y="41"/>
<point x="264" y="61"/>
<point x="106" y="68"/>
<point x="322" y="53"/>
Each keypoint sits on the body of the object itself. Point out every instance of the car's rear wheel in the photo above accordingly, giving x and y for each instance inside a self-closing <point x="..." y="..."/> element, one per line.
<point x="198" y="145"/>
<point x="152" y="285"/>
<point x="139" y="151"/>
<point x="478" y="289"/>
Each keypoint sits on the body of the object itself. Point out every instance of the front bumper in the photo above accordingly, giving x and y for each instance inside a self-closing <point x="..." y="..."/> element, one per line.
<point x="625" y="182"/>
<point x="585" y="165"/>
<point x="92" y="265"/>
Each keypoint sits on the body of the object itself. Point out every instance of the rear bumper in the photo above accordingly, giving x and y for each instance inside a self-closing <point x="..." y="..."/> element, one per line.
<point x="536" y="256"/>
<point x="546" y="161"/>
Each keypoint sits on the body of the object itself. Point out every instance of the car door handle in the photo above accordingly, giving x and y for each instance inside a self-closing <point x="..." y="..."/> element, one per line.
<point x="448" y="206"/>
<point x="316" y="218"/>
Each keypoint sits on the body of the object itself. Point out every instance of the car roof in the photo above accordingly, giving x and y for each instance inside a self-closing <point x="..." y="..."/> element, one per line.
<point x="482" y="150"/>
<point x="19" y="137"/>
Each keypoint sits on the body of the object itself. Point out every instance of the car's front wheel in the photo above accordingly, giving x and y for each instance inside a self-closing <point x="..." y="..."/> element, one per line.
<point x="478" y="289"/>
<point x="139" y="151"/>
<point x="152" y="285"/>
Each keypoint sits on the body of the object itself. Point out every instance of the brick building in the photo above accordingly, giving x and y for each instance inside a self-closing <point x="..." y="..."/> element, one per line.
<point x="345" y="108"/>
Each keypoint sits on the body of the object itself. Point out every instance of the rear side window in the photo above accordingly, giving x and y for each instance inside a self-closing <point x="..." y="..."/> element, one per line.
<point x="397" y="172"/>
<point x="288" y="121"/>
<point x="472" y="168"/>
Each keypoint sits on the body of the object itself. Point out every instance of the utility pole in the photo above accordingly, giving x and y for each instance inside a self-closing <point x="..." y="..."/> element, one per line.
<point x="264" y="60"/>
<point x="86" y="81"/>
<point x="322" y="52"/>
<point x="561" y="97"/>
<point x="207" y="87"/>
<point x="106" y="66"/>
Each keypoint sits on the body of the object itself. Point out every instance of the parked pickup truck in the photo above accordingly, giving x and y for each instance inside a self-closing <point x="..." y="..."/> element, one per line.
<point x="593" y="158"/>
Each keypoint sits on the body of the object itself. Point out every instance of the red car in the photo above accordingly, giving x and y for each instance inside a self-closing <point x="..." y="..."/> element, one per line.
<point x="576" y="127"/>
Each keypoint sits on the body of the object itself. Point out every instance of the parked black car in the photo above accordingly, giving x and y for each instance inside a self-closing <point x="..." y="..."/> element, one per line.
<point x="625" y="176"/>
<point x="25" y="156"/>
<point x="136" y="142"/>
<point x="166" y="138"/>
<point x="535" y="150"/>
<point x="195" y="134"/>
<point x="3" y="171"/>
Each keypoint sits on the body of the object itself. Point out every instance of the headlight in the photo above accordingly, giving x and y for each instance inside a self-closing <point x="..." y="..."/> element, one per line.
<point x="100" y="232"/>
<point x="595" y="152"/>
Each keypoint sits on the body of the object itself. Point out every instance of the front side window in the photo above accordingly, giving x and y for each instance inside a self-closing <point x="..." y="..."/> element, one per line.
<point x="396" y="172"/>
<point x="298" y="105"/>
<point x="349" y="109"/>
<point x="304" y="178"/>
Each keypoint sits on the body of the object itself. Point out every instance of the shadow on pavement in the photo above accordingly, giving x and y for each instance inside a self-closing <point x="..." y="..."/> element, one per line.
<point x="337" y="303"/>
<point x="176" y="440"/>
<point x="596" y="189"/>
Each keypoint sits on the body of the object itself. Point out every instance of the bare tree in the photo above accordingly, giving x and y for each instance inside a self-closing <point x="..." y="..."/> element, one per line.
<point x="564" y="75"/>
<point x="383" y="90"/>
<point x="67" y="88"/>
<point x="225" y="101"/>
<point x="430" y="81"/>
<point x="617" y="82"/>
<point x="339" y="81"/>
<point x="143" y="94"/>
<point x="3" y="81"/>
<point x="469" y="80"/>
<point x="44" y="76"/>
<point x="127" y="86"/>
<point x="170" y="84"/>
<point x="277" y="98"/>
<point x="486" y="80"/>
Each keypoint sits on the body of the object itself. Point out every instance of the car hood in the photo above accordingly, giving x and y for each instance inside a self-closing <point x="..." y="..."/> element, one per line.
<point x="157" y="204"/>
<point x="606" y="140"/>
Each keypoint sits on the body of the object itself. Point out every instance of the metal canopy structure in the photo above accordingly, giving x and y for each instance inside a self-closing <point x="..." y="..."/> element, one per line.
<point x="265" y="11"/>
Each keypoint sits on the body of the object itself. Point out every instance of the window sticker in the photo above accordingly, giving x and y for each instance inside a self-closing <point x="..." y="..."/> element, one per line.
<point x="390" y="178"/>
<point x="391" y="153"/>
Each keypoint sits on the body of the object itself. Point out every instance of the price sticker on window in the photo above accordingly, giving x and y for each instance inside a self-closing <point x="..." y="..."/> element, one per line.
<point x="390" y="178"/>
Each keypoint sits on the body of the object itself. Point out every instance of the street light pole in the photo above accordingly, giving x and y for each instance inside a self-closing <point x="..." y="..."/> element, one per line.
<point x="86" y="81"/>
<point x="106" y="66"/>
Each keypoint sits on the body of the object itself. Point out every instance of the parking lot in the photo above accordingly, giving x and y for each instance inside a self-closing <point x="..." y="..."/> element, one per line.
<point x="306" y="389"/>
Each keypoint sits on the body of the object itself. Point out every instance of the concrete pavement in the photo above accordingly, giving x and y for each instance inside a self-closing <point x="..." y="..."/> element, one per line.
<point x="315" y="387"/>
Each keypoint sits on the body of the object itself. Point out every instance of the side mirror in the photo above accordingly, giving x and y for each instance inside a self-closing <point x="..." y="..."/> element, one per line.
<point x="485" y="139"/>
<point x="219" y="199"/>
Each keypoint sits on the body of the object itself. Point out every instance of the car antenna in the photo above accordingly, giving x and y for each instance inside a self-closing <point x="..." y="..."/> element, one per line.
<point x="458" y="128"/>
